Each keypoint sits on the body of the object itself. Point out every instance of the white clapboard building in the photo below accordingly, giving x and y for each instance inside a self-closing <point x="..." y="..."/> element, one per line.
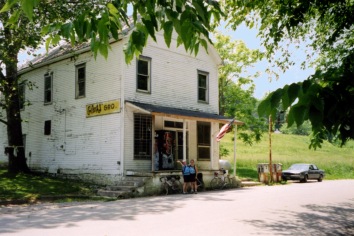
<point x="101" y="119"/>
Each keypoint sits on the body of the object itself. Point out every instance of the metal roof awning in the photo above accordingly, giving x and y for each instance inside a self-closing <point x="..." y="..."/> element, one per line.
<point x="180" y="113"/>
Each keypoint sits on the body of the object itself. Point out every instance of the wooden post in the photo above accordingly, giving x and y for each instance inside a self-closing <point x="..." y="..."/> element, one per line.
<point x="235" y="135"/>
<point x="270" y="149"/>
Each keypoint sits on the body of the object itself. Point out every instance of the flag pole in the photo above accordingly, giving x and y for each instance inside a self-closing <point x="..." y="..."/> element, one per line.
<point x="235" y="135"/>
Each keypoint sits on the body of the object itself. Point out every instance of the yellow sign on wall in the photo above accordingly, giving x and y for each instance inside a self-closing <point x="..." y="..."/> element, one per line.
<point x="102" y="108"/>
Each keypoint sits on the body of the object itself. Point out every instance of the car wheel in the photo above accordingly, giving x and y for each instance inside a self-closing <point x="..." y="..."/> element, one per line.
<point x="320" y="178"/>
<point x="305" y="179"/>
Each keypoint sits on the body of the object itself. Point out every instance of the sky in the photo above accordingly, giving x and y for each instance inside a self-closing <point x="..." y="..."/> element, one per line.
<point x="263" y="84"/>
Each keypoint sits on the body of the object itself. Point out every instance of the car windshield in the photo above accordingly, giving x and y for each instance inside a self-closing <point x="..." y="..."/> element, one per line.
<point x="299" y="167"/>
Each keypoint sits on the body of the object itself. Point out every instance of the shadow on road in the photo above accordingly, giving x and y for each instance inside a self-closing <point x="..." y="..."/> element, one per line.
<point x="46" y="216"/>
<point x="322" y="220"/>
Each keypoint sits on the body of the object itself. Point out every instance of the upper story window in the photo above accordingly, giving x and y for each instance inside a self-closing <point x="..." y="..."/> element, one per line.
<point x="48" y="88"/>
<point x="80" y="81"/>
<point x="22" y="95"/>
<point x="143" y="74"/>
<point x="203" y="86"/>
<point x="204" y="140"/>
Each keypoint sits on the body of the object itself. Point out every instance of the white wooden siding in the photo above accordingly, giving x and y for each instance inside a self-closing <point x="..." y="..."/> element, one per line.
<point x="174" y="78"/>
<point x="77" y="144"/>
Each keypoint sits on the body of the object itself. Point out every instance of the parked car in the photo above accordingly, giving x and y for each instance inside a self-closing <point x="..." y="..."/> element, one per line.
<point x="303" y="172"/>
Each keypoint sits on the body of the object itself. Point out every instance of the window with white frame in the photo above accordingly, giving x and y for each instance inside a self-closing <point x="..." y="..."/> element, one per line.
<point x="142" y="137"/>
<point x="80" y="81"/>
<point x="204" y="140"/>
<point x="143" y="74"/>
<point x="48" y="88"/>
<point x="203" y="84"/>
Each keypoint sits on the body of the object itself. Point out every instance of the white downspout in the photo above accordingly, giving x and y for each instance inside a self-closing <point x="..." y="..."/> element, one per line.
<point x="184" y="140"/>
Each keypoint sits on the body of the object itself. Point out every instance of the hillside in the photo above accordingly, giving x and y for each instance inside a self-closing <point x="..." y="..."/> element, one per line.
<point x="287" y="149"/>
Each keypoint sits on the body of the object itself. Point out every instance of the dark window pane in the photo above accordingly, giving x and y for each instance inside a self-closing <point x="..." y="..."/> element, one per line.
<point x="48" y="96"/>
<point x="202" y="81"/>
<point x="81" y="89"/>
<point x="143" y="67"/>
<point x="47" y="127"/>
<point x="81" y="74"/>
<point x="81" y="81"/>
<point x="201" y="94"/>
<point x="47" y="89"/>
<point x="142" y="82"/>
<point x="204" y="152"/>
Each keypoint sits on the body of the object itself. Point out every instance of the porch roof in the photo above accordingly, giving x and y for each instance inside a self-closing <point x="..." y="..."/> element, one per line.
<point x="180" y="113"/>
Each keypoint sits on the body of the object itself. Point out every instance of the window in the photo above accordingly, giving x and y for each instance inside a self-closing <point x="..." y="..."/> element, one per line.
<point x="22" y="95"/>
<point x="203" y="78"/>
<point x="48" y="88"/>
<point x="173" y="124"/>
<point x="80" y="85"/>
<point x="203" y="136"/>
<point x="142" y="137"/>
<point x="47" y="127"/>
<point x="143" y="75"/>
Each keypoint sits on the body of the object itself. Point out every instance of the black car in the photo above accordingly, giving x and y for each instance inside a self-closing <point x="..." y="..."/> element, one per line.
<point x="303" y="172"/>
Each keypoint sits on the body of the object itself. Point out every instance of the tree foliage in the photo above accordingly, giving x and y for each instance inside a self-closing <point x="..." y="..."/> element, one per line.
<point x="26" y="24"/>
<point x="326" y="28"/>
<point x="100" y="20"/>
<point x="236" y="86"/>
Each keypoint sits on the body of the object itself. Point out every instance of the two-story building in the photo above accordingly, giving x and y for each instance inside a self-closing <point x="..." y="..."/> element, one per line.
<point x="101" y="119"/>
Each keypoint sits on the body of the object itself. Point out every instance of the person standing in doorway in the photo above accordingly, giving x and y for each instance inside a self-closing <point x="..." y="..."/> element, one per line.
<point x="193" y="170"/>
<point x="186" y="175"/>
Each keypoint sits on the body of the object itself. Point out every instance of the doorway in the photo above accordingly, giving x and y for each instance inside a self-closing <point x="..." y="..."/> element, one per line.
<point x="169" y="148"/>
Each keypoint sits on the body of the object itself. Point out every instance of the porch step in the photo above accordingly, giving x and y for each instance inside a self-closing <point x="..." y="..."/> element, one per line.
<point x="127" y="187"/>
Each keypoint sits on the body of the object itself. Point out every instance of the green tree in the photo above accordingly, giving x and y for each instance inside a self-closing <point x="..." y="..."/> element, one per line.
<point x="326" y="28"/>
<point x="24" y="24"/>
<point x="236" y="86"/>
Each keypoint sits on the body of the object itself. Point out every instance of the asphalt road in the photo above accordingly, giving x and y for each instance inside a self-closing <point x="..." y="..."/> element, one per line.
<point x="311" y="208"/>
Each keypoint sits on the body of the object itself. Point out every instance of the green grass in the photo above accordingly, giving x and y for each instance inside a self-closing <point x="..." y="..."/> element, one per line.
<point x="25" y="188"/>
<point x="288" y="149"/>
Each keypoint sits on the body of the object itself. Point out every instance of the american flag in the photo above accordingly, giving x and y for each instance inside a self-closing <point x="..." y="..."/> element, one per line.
<point x="224" y="130"/>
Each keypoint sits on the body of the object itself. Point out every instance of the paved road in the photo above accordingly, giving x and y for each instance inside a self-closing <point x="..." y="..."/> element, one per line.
<point x="311" y="208"/>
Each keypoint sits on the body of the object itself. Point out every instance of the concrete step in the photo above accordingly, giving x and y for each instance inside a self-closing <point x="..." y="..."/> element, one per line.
<point x="126" y="187"/>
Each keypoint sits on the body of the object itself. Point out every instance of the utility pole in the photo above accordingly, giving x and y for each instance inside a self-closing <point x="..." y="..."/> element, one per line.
<point x="270" y="149"/>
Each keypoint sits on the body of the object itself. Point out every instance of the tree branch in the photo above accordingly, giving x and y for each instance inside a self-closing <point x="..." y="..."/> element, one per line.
<point x="3" y="121"/>
<point x="2" y="76"/>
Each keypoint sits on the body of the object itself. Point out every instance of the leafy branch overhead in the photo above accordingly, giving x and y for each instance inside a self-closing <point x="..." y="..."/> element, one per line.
<point x="325" y="99"/>
<point x="100" y="21"/>
<point x="323" y="28"/>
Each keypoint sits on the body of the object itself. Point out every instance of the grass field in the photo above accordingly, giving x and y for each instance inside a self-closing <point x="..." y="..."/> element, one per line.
<point x="25" y="188"/>
<point x="288" y="149"/>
